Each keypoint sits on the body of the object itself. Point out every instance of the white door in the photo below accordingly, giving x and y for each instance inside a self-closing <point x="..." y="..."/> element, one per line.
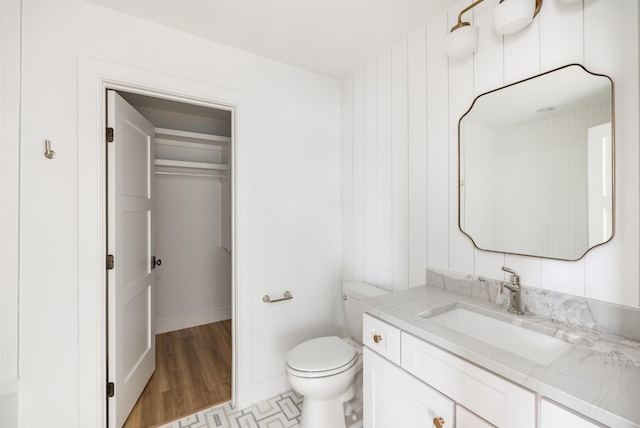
<point x="131" y="347"/>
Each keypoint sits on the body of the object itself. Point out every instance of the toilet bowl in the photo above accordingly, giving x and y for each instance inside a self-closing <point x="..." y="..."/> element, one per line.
<point x="323" y="369"/>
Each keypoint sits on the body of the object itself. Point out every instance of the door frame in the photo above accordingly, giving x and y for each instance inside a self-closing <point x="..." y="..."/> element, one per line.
<point x="94" y="78"/>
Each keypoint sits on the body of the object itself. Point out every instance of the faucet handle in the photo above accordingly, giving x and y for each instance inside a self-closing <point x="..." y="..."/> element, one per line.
<point x="509" y="270"/>
<point x="515" y="278"/>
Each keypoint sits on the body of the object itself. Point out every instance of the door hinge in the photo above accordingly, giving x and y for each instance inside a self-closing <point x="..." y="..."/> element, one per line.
<point x="110" y="135"/>
<point x="111" y="389"/>
<point x="155" y="262"/>
<point x="111" y="261"/>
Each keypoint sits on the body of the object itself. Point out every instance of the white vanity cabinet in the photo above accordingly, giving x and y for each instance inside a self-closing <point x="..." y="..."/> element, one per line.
<point x="499" y="401"/>
<point x="467" y="419"/>
<point x="429" y="383"/>
<point x="552" y="416"/>
<point x="394" y="398"/>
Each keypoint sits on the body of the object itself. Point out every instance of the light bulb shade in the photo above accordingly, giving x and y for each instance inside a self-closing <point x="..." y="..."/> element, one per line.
<point x="462" y="41"/>
<point x="511" y="16"/>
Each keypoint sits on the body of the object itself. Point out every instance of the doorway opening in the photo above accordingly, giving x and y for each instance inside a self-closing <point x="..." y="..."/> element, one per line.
<point x="169" y="221"/>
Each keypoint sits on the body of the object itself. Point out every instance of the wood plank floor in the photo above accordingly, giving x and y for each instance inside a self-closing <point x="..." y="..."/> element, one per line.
<point x="193" y="371"/>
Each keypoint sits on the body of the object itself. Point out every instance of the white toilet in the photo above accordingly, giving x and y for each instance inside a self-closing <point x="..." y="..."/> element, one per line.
<point x="324" y="369"/>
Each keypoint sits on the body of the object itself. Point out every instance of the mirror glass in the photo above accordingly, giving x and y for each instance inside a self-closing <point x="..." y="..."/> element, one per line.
<point x="536" y="165"/>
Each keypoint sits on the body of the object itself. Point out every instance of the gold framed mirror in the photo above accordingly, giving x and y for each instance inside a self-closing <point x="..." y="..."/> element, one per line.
<point x="536" y="165"/>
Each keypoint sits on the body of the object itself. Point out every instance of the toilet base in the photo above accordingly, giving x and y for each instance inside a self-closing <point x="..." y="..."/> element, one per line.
<point x="353" y="410"/>
<point x="324" y="395"/>
<point x="322" y="414"/>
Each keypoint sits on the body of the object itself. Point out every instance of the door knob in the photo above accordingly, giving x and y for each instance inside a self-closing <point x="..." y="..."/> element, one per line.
<point x="377" y="338"/>
<point x="438" y="422"/>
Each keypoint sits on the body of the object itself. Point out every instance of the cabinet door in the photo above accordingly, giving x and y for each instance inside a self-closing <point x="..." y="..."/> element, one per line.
<point x="394" y="398"/>
<point x="552" y="416"/>
<point x="494" y="399"/>
<point x="467" y="419"/>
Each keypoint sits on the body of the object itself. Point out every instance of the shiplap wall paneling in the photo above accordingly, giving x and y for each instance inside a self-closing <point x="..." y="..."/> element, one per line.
<point x="347" y="179"/>
<point x="611" y="47"/>
<point x="385" y="173"/>
<point x="488" y="59"/>
<point x="358" y="176"/>
<point x="400" y="161"/>
<point x="437" y="145"/>
<point x="562" y="276"/>
<point x="417" y="85"/>
<point x="603" y="35"/>
<point x="461" y="249"/>
<point x="522" y="53"/>
<point x="371" y="172"/>
<point x="561" y="34"/>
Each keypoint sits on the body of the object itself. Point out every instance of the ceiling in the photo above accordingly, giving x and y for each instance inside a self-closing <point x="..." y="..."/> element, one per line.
<point x="329" y="37"/>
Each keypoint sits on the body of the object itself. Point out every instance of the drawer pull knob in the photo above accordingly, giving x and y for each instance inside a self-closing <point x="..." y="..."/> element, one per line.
<point x="438" y="422"/>
<point x="377" y="338"/>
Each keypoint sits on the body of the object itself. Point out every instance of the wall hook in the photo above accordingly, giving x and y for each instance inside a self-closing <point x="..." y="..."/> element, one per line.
<point x="48" y="153"/>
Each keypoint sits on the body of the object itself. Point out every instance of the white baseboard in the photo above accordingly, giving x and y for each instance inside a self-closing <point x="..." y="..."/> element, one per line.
<point x="268" y="387"/>
<point x="192" y="320"/>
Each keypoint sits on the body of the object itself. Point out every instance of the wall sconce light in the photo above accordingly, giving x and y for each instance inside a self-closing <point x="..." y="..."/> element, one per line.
<point x="509" y="16"/>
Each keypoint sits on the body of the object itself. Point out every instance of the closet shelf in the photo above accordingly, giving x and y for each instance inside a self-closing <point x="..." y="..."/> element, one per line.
<point x="191" y="135"/>
<point x="191" y="165"/>
<point x="191" y="153"/>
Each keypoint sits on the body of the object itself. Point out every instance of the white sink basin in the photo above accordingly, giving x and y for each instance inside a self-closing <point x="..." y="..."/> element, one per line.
<point x="529" y="344"/>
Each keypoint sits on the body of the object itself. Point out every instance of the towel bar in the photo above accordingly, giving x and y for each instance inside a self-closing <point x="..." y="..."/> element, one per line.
<point x="267" y="299"/>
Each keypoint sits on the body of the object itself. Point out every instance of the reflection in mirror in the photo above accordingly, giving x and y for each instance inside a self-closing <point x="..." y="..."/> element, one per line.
<point x="536" y="165"/>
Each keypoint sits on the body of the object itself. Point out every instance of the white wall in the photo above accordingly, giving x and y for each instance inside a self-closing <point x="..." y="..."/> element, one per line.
<point x="9" y="197"/>
<point x="290" y="173"/>
<point x="418" y="173"/>
<point x="193" y="284"/>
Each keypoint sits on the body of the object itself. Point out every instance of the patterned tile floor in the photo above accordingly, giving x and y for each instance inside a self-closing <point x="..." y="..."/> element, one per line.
<point x="282" y="411"/>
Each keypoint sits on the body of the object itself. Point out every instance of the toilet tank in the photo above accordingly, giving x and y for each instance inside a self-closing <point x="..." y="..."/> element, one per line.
<point x="352" y="294"/>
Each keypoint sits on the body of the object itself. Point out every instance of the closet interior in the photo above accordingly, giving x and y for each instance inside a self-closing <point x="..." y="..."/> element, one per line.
<point x="192" y="210"/>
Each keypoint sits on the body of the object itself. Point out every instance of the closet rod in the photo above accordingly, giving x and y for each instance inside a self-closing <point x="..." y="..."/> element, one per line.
<point x="191" y="174"/>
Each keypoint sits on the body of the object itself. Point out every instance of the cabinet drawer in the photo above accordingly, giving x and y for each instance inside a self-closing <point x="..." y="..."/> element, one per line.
<point x="500" y="402"/>
<point x="552" y="415"/>
<point x="381" y="337"/>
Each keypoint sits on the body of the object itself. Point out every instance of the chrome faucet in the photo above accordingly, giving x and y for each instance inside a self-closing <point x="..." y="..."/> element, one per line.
<point x="514" y="286"/>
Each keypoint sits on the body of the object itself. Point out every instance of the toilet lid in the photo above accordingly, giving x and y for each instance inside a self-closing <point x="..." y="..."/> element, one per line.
<point x="321" y="354"/>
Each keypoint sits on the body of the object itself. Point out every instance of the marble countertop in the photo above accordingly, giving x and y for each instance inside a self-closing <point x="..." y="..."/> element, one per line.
<point x="599" y="377"/>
